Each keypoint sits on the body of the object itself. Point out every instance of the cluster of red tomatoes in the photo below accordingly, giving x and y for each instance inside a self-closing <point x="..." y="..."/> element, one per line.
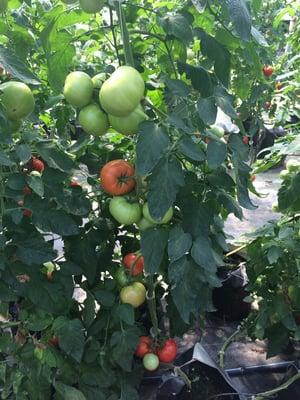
<point x="154" y="353"/>
<point x="105" y="103"/>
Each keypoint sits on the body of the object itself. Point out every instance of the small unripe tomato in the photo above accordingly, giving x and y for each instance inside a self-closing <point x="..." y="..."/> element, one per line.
<point x="150" y="362"/>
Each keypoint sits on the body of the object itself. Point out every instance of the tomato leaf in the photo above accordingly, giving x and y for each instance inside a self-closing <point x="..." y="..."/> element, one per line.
<point x="191" y="149"/>
<point x="89" y="310"/>
<point x="200" y="77"/>
<point x="224" y="101"/>
<point x="179" y="243"/>
<point x="153" y="244"/>
<point x="123" y="346"/>
<point x="165" y="181"/>
<point x="5" y="160"/>
<point x="14" y="66"/>
<point x="203" y="255"/>
<point x="32" y="249"/>
<point x="71" y="339"/>
<point x="36" y="184"/>
<point x="178" y="26"/>
<point x="216" y="153"/>
<point x="54" y="157"/>
<point x="126" y="313"/>
<point x="151" y="145"/>
<point x="68" y="392"/>
<point x="207" y="110"/>
<point x="240" y="17"/>
<point x="23" y="152"/>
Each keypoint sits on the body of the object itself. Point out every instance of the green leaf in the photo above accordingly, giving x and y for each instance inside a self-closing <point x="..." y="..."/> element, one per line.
<point x="153" y="244"/>
<point x="14" y="66"/>
<point x="36" y="184"/>
<point x="123" y="346"/>
<point x="207" y="110"/>
<point x="6" y="293"/>
<point x="5" y="160"/>
<point x="203" y="255"/>
<point x="177" y="87"/>
<point x="23" y="152"/>
<point x="224" y="101"/>
<point x="200" y="5"/>
<point x="273" y="254"/>
<point x="89" y="311"/>
<point x="230" y="205"/>
<point x="259" y="37"/>
<point x="54" y="157"/>
<point x="68" y="392"/>
<point x="179" y="243"/>
<point x="216" y="153"/>
<point x="190" y="149"/>
<point x="240" y="17"/>
<point x="178" y="26"/>
<point x="16" y="181"/>
<point x="126" y="313"/>
<point x="34" y="250"/>
<point x="200" y="77"/>
<point x="151" y="145"/>
<point x="71" y="339"/>
<point x="58" y="66"/>
<point x="166" y="179"/>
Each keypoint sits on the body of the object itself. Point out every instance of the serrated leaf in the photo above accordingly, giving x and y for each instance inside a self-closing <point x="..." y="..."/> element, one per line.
<point x="178" y="26"/>
<point x="153" y="244"/>
<point x="224" y="101"/>
<point x="71" y="339"/>
<point x="14" y="66"/>
<point x="166" y="179"/>
<point x="23" y="152"/>
<point x="177" y="87"/>
<point x="191" y="149"/>
<point x="68" y="392"/>
<point x="151" y="146"/>
<point x="54" y="157"/>
<point x="259" y="37"/>
<point x="200" y="78"/>
<point x="216" y="153"/>
<point x="179" y="243"/>
<point x="203" y="255"/>
<point x="34" y="250"/>
<point x="126" y="313"/>
<point x="123" y="346"/>
<point x="240" y="17"/>
<point x="207" y="110"/>
<point x="36" y="184"/>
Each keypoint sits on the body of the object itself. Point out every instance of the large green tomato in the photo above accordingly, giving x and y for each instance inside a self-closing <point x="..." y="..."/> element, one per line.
<point x="3" y="5"/>
<point x="216" y="130"/>
<point x="78" y="89"/>
<point x="17" y="99"/>
<point x="98" y="80"/>
<point x="124" y="212"/>
<point x="134" y="294"/>
<point x="144" y="224"/>
<point x="128" y="125"/>
<point x="122" y="92"/>
<point x="91" y="6"/>
<point x="166" y="218"/>
<point x="93" y="120"/>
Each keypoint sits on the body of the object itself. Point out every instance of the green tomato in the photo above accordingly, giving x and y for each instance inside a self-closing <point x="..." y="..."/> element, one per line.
<point x="190" y="54"/>
<point x="144" y="224"/>
<point x="91" y="6"/>
<point x="217" y="131"/>
<point x="294" y="295"/>
<point x="98" y="80"/>
<point x="124" y="212"/>
<point x="150" y="361"/>
<point x="292" y="165"/>
<point x="17" y="99"/>
<point x="128" y="125"/>
<point x="122" y="92"/>
<point x="78" y="89"/>
<point x="3" y="5"/>
<point x="50" y="266"/>
<point x="285" y="174"/>
<point x="275" y="207"/>
<point x="134" y="294"/>
<point x="93" y="120"/>
<point x="166" y="218"/>
<point x="121" y="277"/>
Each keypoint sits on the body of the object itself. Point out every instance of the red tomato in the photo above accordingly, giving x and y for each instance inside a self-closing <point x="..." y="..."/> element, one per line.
<point x="74" y="183"/>
<point x="37" y="164"/>
<point x="267" y="70"/>
<point x="246" y="139"/>
<point x="252" y="178"/>
<point x="143" y="347"/>
<point x="134" y="263"/>
<point x="54" y="341"/>
<point x="167" y="353"/>
<point x="117" y="177"/>
<point x="26" y="213"/>
<point x="26" y="191"/>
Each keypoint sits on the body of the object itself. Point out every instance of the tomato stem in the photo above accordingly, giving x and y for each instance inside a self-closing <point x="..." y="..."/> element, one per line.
<point x="151" y="300"/>
<point x="125" y="35"/>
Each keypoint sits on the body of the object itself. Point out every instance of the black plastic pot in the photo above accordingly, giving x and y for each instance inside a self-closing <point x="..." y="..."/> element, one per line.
<point x="229" y="299"/>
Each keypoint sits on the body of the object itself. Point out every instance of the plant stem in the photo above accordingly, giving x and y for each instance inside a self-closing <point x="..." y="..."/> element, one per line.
<point x="261" y="396"/>
<point x="125" y="35"/>
<point x="225" y="345"/>
<point x="152" y="304"/>
<point x="114" y="34"/>
<point x="157" y="110"/>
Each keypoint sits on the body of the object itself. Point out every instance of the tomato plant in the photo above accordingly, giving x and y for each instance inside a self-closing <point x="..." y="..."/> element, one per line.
<point x="85" y="86"/>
